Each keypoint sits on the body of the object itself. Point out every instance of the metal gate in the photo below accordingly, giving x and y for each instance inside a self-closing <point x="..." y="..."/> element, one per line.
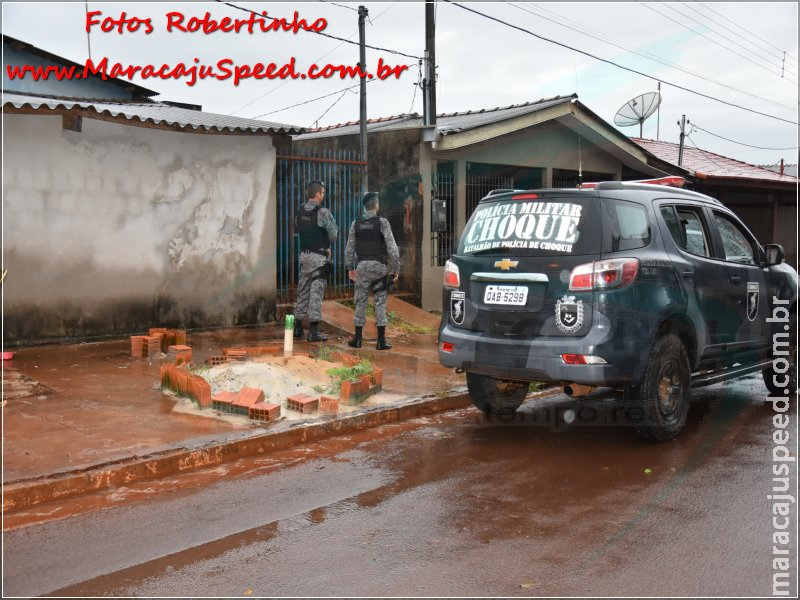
<point x="342" y="173"/>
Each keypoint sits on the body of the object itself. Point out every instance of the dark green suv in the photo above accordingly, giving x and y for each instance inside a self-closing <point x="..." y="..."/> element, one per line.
<point x="644" y="288"/>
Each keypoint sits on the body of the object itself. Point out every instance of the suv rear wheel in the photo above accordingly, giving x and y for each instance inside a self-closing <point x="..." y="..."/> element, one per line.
<point x="770" y="374"/>
<point x="496" y="396"/>
<point x="663" y="394"/>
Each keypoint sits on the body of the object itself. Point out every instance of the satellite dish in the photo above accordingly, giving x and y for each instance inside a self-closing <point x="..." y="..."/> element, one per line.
<point x="636" y="110"/>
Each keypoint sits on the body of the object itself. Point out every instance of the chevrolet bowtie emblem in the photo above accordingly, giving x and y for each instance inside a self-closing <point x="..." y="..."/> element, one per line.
<point x="505" y="264"/>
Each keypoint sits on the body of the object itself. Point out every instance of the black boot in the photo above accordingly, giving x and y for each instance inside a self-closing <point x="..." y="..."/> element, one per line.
<point x="382" y="343"/>
<point x="356" y="341"/>
<point x="313" y="333"/>
<point x="298" y="328"/>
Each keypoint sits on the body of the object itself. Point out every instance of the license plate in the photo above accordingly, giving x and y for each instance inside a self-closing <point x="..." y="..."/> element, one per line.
<point x="515" y="295"/>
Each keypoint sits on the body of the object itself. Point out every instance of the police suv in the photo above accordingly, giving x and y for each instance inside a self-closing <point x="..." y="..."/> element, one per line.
<point x="641" y="287"/>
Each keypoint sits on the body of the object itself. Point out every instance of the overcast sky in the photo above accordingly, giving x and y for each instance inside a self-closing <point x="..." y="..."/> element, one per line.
<point x="730" y="51"/>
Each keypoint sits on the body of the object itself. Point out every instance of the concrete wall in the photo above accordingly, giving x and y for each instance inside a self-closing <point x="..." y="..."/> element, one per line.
<point x="118" y="228"/>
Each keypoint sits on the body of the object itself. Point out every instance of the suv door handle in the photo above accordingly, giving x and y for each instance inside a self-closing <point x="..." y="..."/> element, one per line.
<point x="735" y="279"/>
<point x="688" y="275"/>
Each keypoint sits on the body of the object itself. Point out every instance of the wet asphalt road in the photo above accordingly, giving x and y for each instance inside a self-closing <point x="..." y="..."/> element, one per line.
<point x="447" y="505"/>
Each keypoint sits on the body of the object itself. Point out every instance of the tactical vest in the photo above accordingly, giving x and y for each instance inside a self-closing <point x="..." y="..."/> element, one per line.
<point x="370" y="244"/>
<point x="313" y="238"/>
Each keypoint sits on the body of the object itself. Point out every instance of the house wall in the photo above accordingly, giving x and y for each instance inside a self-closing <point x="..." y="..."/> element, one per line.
<point x="119" y="228"/>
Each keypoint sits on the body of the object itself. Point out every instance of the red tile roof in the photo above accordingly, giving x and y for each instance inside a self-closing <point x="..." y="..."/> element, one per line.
<point x="709" y="164"/>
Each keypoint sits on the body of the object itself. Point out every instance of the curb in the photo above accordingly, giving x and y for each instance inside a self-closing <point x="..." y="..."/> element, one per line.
<point x="24" y="494"/>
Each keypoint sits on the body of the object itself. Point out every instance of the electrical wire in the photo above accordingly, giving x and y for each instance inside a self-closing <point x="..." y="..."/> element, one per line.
<point x="272" y="112"/>
<point x="416" y="85"/>
<point x="747" y="31"/>
<point x="706" y="154"/>
<point x="708" y="38"/>
<point x="610" y="62"/>
<point x="316" y="122"/>
<point x="696" y="126"/>
<point x="772" y="56"/>
<point x="355" y="10"/>
<point x="768" y="59"/>
<point x="643" y="53"/>
<point x="322" y="33"/>
<point x="280" y="85"/>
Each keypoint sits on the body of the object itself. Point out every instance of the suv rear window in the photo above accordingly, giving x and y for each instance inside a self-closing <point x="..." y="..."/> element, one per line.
<point x="625" y="226"/>
<point x="534" y="227"/>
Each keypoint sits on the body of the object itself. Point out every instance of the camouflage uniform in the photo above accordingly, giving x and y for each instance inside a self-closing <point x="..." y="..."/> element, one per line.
<point x="311" y="286"/>
<point x="371" y="274"/>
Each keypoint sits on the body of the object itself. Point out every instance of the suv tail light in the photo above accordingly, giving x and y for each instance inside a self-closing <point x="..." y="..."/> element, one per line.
<point x="603" y="274"/>
<point x="452" y="278"/>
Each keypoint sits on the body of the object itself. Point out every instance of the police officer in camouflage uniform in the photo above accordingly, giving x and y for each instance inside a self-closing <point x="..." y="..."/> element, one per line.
<point x="372" y="258"/>
<point x="317" y="230"/>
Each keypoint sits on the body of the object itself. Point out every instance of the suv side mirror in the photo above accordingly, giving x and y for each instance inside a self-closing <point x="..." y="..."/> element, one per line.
<point x="775" y="254"/>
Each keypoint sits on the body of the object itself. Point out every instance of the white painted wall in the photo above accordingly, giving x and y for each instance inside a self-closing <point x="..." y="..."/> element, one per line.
<point x="117" y="225"/>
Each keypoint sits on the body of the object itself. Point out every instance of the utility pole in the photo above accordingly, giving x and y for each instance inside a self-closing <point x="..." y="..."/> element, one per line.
<point x="682" y="124"/>
<point x="429" y="82"/>
<point x="362" y="16"/>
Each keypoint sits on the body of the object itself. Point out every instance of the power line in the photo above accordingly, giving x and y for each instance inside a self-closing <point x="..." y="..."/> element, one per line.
<point x="643" y="53"/>
<point x="706" y="37"/>
<point x="316" y="122"/>
<point x="768" y="59"/>
<point x="706" y="154"/>
<point x="746" y="30"/>
<point x="355" y="10"/>
<point x="610" y="62"/>
<point x="771" y="56"/>
<point x="696" y="126"/>
<point x="322" y="33"/>
<point x="416" y="85"/>
<point x="331" y="51"/>
<point x="272" y="112"/>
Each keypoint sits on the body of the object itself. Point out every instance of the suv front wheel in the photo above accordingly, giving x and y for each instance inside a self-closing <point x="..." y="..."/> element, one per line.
<point x="663" y="394"/>
<point x="496" y="396"/>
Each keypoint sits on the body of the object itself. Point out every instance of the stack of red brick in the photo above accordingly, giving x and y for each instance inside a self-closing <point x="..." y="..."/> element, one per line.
<point x="249" y="402"/>
<point x="158" y="340"/>
<point x="183" y="383"/>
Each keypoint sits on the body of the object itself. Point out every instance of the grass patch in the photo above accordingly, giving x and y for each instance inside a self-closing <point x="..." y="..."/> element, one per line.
<point x="394" y="321"/>
<point x="535" y="386"/>
<point x="200" y="370"/>
<point x="325" y="353"/>
<point x="339" y="375"/>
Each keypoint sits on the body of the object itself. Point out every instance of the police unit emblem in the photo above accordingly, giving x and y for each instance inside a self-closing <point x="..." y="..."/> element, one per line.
<point x="569" y="314"/>
<point x="457" y="301"/>
<point x="752" y="300"/>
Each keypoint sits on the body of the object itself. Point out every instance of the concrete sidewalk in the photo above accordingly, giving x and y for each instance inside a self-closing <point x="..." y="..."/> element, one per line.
<point x="82" y="417"/>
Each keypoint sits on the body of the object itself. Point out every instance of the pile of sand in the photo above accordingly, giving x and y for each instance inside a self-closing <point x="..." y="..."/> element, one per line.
<point x="270" y="374"/>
